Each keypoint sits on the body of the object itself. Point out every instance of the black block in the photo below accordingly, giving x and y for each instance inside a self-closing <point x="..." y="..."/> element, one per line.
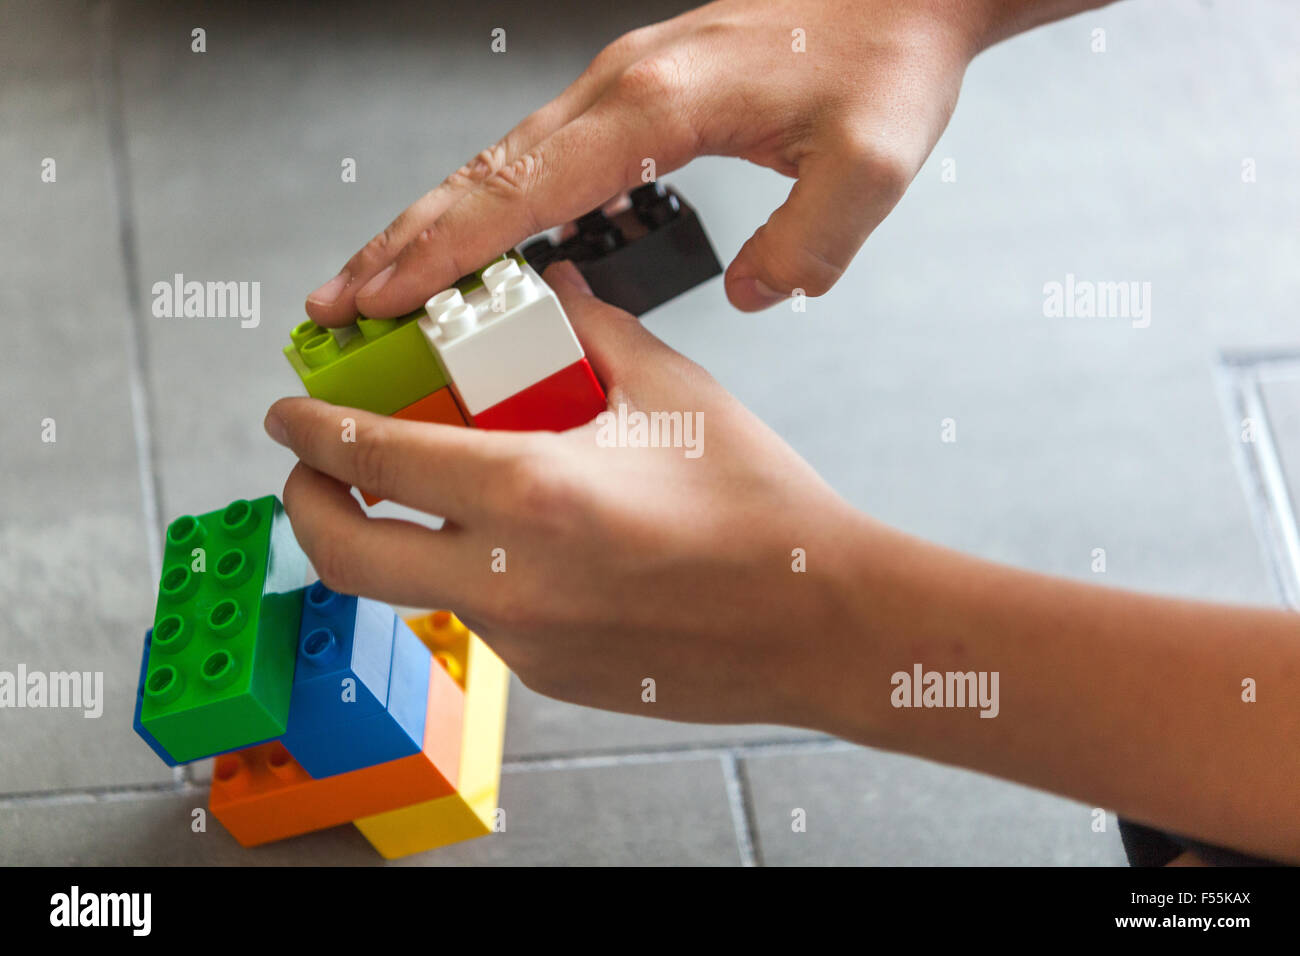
<point x="639" y="258"/>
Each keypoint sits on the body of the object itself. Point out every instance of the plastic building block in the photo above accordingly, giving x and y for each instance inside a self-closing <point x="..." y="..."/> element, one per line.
<point x="139" y="703"/>
<point x="443" y="633"/>
<point x="361" y="686"/>
<point x="263" y="794"/>
<point x="440" y="408"/>
<point x="497" y="338"/>
<point x="469" y="811"/>
<point x="345" y="650"/>
<point x="650" y="252"/>
<point x="147" y="737"/>
<point x="380" y="365"/>
<point x="567" y="399"/>
<point x="221" y="659"/>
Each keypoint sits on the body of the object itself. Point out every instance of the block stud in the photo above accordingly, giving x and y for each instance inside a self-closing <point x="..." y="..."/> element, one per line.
<point x="186" y="532"/>
<point x="239" y="518"/>
<point x="517" y="290"/>
<point x="164" y="684"/>
<point x="319" y="350"/>
<point x="226" y="618"/>
<point x="320" y="597"/>
<point x="234" y="568"/>
<point x="320" y="647"/>
<point x="178" y="584"/>
<point x="372" y="329"/>
<point x="280" y="763"/>
<point x="171" y="634"/>
<point x="304" y="331"/>
<point x="219" y="669"/>
<point x="443" y="302"/>
<point x="232" y="773"/>
<point x="456" y="322"/>
<point x="499" y="272"/>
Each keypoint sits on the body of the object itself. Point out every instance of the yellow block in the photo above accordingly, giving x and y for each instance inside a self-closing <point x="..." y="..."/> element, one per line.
<point x="467" y="813"/>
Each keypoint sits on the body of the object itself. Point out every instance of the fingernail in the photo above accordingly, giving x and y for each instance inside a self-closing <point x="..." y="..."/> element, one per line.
<point x="764" y="291"/>
<point x="377" y="282"/>
<point x="275" y="427"/>
<point x="331" y="290"/>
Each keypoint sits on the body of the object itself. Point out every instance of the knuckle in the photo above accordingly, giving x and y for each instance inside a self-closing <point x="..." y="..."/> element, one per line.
<point x="375" y="463"/>
<point x="627" y="47"/>
<point x="536" y="489"/>
<point x="379" y="251"/>
<point x="653" y="82"/>
<point x="878" y="163"/>
<point x="796" y="266"/>
<point x="515" y="183"/>
<point x="484" y="164"/>
<point x="432" y="244"/>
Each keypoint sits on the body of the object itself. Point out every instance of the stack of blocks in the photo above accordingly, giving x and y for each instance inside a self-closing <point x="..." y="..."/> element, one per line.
<point x="323" y="708"/>
<point x="496" y="350"/>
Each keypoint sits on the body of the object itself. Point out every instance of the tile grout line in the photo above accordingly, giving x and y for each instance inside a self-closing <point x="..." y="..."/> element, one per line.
<point x="108" y="86"/>
<point x="772" y="748"/>
<point x="742" y="808"/>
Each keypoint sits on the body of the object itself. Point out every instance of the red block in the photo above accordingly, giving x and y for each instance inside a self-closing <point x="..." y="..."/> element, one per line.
<point x="567" y="399"/>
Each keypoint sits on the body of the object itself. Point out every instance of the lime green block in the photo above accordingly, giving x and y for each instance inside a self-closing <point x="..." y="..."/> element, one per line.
<point x="381" y="365"/>
<point x="225" y="634"/>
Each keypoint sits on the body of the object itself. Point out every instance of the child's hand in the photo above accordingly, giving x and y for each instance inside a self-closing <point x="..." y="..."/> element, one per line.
<point x="846" y="96"/>
<point x="621" y="564"/>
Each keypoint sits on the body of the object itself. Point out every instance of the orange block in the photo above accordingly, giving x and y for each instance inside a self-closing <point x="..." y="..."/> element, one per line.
<point x="438" y="407"/>
<point x="262" y="794"/>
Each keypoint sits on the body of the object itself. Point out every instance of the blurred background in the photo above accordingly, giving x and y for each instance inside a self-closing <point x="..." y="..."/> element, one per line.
<point x="1072" y="434"/>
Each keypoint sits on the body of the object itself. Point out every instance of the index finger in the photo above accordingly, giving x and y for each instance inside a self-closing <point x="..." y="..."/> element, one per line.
<point x="440" y="469"/>
<point x="567" y="174"/>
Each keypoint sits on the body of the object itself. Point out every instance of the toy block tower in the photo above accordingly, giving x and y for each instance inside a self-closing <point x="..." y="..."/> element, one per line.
<point x="445" y="792"/>
<point x="219" y="667"/>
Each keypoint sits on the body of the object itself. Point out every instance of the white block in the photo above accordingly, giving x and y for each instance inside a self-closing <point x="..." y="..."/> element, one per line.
<point x="502" y="337"/>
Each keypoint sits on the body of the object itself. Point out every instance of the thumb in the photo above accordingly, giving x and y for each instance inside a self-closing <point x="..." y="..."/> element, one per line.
<point x="811" y="238"/>
<point x="619" y="348"/>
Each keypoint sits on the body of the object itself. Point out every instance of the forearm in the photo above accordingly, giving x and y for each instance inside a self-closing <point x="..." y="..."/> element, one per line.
<point x="1121" y="700"/>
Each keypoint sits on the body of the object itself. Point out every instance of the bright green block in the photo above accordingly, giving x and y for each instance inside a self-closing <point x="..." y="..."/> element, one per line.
<point x="225" y="638"/>
<point x="384" y="366"/>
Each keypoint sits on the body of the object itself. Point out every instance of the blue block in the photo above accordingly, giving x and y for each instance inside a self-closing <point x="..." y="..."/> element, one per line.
<point x="147" y="737"/>
<point x="139" y="703"/>
<point x="361" y="685"/>
<point x="345" y="652"/>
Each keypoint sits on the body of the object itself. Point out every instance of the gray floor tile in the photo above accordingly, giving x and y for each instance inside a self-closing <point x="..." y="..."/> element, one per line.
<point x="650" y="815"/>
<point x="867" y="807"/>
<point x="75" y="582"/>
<point x="541" y="725"/>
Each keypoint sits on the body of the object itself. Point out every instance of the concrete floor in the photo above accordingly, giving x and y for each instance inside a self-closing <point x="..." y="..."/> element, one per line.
<point x="1073" y="433"/>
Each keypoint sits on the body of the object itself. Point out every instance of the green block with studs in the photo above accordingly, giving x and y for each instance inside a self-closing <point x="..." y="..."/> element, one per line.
<point x="379" y="365"/>
<point x="225" y="633"/>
